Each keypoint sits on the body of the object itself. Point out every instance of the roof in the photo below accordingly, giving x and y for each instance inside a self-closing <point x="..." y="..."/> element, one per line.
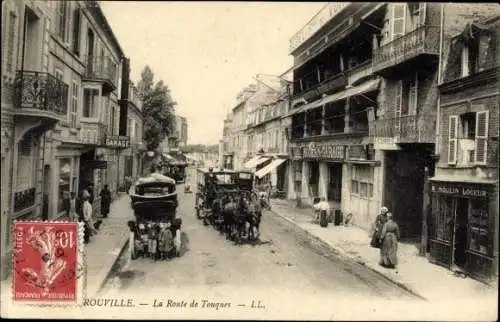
<point x="105" y="25"/>
<point x="155" y="178"/>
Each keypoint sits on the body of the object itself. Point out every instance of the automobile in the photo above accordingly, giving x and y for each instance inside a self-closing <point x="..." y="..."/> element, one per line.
<point x="156" y="230"/>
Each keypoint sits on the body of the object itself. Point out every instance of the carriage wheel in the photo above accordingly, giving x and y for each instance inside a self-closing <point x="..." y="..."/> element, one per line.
<point x="132" y="252"/>
<point x="177" y="243"/>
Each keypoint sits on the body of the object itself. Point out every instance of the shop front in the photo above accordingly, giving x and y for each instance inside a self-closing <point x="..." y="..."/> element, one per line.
<point x="463" y="228"/>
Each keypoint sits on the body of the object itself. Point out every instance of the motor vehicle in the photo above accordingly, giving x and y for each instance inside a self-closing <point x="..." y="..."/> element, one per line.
<point x="156" y="229"/>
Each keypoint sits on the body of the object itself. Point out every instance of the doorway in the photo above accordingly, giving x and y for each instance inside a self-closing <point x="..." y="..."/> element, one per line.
<point x="31" y="51"/>
<point x="46" y="191"/>
<point x="460" y="240"/>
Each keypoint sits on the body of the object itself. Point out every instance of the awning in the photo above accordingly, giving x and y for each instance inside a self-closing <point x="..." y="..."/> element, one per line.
<point x="173" y="161"/>
<point x="270" y="167"/>
<point x="365" y="87"/>
<point x="255" y="161"/>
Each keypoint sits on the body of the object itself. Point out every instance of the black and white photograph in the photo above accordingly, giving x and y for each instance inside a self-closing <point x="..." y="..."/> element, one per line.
<point x="250" y="160"/>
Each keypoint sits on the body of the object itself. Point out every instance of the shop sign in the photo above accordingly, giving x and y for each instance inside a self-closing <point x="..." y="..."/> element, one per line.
<point x="118" y="141"/>
<point x="458" y="190"/>
<point x="324" y="151"/>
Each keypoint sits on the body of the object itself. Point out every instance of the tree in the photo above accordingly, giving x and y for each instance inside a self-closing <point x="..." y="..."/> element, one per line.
<point x="158" y="109"/>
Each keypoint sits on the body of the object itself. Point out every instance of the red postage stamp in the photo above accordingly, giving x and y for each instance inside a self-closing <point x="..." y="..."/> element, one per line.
<point x="47" y="262"/>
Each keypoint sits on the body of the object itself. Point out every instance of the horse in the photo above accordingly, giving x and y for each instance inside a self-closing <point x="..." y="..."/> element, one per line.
<point x="234" y="215"/>
<point x="254" y="217"/>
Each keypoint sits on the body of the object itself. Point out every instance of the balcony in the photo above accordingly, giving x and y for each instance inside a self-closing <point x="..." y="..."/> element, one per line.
<point x="415" y="48"/>
<point x="24" y="199"/>
<point x="332" y="84"/>
<point x="117" y="141"/>
<point x="93" y="133"/>
<point x="360" y="72"/>
<point x="103" y="70"/>
<point x="406" y="129"/>
<point x="40" y="96"/>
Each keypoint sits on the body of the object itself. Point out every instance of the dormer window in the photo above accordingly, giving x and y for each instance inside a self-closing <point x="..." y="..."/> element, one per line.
<point x="469" y="64"/>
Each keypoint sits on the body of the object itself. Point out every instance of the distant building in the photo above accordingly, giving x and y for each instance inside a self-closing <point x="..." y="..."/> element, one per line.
<point x="178" y="138"/>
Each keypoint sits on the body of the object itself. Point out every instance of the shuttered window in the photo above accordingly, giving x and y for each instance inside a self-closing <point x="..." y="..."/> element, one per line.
<point x="398" y="106"/>
<point x="10" y="58"/>
<point x="481" y="140"/>
<point x="75" y="97"/>
<point x="452" y="139"/>
<point x="63" y="20"/>
<point x="398" y="20"/>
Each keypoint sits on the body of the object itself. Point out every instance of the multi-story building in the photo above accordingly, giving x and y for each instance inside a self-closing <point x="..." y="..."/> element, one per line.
<point x="225" y="151"/>
<point x="268" y="144"/>
<point x="178" y="138"/>
<point x="367" y="80"/>
<point x="131" y="102"/>
<point x="59" y="107"/>
<point x="334" y="98"/>
<point x="464" y="191"/>
<point x="238" y="125"/>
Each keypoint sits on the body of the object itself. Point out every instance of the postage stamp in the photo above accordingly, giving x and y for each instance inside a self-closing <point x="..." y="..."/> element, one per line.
<point x="47" y="262"/>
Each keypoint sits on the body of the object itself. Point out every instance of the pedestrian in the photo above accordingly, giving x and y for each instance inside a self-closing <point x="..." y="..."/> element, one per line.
<point x="389" y="243"/>
<point x="90" y="190"/>
<point x="87" y="213"/>
<point x="72" y="208"/>
<point x="377" y="229"/>
<point x="269" y="189"/>
<point x="105" y="201"/>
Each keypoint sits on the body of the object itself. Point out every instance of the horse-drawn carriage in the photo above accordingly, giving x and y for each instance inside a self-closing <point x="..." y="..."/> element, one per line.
<point x="225" y="200"/>
<point x="156" y="232"/>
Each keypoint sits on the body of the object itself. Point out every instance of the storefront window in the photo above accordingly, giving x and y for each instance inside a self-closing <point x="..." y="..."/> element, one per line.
<point x="362" y="180"/>
<point x="444" y="216"/>
<point x="64" y="183"/>
<point x="478" y="227"/>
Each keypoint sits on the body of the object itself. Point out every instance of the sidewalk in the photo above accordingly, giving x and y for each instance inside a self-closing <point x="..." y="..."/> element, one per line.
<point x="414" y="273"/>
<point x="104" y="248"/>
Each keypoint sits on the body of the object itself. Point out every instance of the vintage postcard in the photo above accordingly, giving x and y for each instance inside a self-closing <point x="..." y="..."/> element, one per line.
<point x="249" y="160"/>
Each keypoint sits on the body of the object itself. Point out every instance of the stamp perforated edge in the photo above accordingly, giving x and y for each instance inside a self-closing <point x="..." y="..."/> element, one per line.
<point x="80" y="262"/>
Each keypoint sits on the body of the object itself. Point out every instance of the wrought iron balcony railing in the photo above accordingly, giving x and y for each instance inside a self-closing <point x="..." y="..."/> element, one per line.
<point x="24" y="199"/>
<point x="422" y="40"/>
<point x="333" y="83"/>
<point x="406" y="129"/>
<point x="101" y="67"/>
<point x="40" y="91"/>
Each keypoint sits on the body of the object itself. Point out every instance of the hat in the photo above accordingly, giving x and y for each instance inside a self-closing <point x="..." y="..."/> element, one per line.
<point x="384" y="210"/>
<point x="85" y="194"/>
<point x="389" y="215"/>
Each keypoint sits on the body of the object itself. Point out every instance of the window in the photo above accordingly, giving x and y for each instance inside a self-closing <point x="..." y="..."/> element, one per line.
<point x="26" y="164"/>
<point x="398" y="20"/>
<point x="112" y="117"/>
<point x="73" y="113"/>
<point x="444" y="214"/>
<point x="362" y="180"/>
<point x="64" y="183"/>
<point x="10" y="56"/>
<point x="334" y="182"/>
<point x="473" y="126"/>
<point x="59" y="74"/>
<point x="468" y="122"/>
<point x="76" y="31"/>
<point x="90" y="102"/>
<point x="470" y="53"/>
<point x="479" y="227"/>
<point x="62" y="31"/>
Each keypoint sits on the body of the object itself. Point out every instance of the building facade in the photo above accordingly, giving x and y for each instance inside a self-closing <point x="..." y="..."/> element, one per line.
<point x="334" y="98"/>
<point x="463" y="222"/>
<point x="225" y="151"/>
<point x="60" y="112"/>
<point x="178" y="138"/>
<point x="268" y="145"/>
<point x="132" y="104"/>
<point x="364" y="110"/>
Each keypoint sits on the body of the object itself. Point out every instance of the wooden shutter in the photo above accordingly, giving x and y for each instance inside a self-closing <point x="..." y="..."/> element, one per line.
<point x="452" y="139"/>
<point x="398" y="20"/>
<point x="485" y="59"/>
<point x="481" y="140"/>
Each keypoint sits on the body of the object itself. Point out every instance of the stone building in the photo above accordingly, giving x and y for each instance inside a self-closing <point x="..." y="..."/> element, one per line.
<point x="364" y="111"/>
<point x="60" y="113"/>
<point x="225" y="151"/>
<point x="463" y="222"/>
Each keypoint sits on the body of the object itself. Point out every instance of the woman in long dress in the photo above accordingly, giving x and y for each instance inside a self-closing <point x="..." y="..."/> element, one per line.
<point x="389" y="240"/>
<point x="379" y="223"/>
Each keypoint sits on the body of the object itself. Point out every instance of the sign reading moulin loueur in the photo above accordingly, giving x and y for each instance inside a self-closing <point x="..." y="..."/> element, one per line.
<point x="325" y="151"/>
<point x="460" y="190"/>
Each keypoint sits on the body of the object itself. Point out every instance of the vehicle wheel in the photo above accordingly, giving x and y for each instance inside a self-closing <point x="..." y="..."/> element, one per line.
<point x="132" y="252"/>
<point x="205" y="221"/>
<point x="198" y="213"/>
<point x="177" y="243"/>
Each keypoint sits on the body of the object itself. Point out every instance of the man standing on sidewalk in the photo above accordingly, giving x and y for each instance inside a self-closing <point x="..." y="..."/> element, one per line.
<point x="105" y="201"/>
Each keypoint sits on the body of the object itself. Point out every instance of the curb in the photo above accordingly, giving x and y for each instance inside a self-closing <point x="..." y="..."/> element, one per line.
<point x="103" y="282"/>
<point x="352" y="257"/>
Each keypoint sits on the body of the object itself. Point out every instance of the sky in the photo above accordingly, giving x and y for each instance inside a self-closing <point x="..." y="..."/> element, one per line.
<point x="207" y="52"/>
